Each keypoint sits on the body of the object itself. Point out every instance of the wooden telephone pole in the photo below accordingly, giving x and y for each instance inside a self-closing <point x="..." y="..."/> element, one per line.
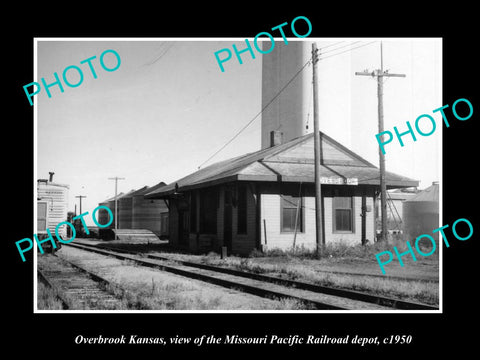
<point x="316" y="142"/>
<point x="80" y="197"/>
<point x="380" y="74"/>
<point x="116" y="178"/>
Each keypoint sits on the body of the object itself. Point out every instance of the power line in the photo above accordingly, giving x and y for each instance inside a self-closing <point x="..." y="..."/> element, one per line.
<point x="380" y="74"/>
<point x="341" y="47"/>
<point x="116" y="178"/>
<point x="283" y="88"/>
<point x="165" y="49"/>
<point x="256" y="116"/>
<point x="309" y="106"/>
<point x="317" y="151"/>
<point x="341" y="52"/>
<point x="327" y="46"/>
<point x="80" y="197"/>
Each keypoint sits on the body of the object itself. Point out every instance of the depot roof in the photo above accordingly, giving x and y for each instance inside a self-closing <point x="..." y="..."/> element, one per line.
<point x="289" y="162"/>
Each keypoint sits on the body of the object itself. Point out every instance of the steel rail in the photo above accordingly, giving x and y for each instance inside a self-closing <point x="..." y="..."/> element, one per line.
<point x="90" y="275"/>
<point x="44" y="279"/>
<point x="246" y="288"/>
<point x="343" y="293"/>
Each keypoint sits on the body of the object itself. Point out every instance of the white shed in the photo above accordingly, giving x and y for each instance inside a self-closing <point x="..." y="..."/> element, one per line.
<point x="52" y="203"/>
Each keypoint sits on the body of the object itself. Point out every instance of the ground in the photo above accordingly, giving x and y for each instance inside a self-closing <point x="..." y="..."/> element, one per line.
<point x="416" y="281"/>
<point x="350" y="268"/>
<point x="149" y="289"/>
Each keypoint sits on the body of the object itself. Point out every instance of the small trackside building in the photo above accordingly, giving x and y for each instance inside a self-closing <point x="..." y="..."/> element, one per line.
<point x="135" y="212"/>
<point x="150" y="214"/>
<point x="266" y="199"/>
<point x="52" y="203"/>
<point x="103" y="215"/>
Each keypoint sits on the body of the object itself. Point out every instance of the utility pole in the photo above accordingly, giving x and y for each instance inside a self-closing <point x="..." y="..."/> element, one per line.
<point x="80" y="197"/>
<point x="380" y="74"/>
<point x="116" y="178"/>
<point x="316" y="143"/>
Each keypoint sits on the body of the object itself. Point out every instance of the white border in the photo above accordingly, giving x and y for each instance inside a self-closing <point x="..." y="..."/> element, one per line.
<point x="34" y="180"/>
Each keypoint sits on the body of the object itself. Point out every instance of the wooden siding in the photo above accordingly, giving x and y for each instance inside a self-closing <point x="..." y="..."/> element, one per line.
<point x="147" y="214"/>
<point x="353" y="238"/>
<point x="271" y="217"/>
<point x="125" y="212"/>
<point x="270" y="224"/>
<point x="103" y="216"/>
<point x="218" y="241"/>
<point x="241" y="243"/>
<point x="173" y="223"/>
<point x="244" y="243"/>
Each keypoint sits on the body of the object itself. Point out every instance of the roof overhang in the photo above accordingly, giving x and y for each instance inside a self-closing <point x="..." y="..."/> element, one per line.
<point x="170" y="189"/>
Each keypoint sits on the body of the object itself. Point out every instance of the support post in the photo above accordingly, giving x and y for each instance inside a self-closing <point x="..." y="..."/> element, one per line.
<point x="380" y="74"/>
<point x="316" y="138"/>
<point x="116" y="178"/>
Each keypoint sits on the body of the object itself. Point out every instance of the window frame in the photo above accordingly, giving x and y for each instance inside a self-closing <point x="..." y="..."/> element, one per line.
<point x="43" y="202"/>
<point x="301" y="220"/>
<point x="352" y="215"/>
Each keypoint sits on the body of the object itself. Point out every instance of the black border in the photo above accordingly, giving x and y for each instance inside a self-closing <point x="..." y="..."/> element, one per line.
<point x="55" y="333"/>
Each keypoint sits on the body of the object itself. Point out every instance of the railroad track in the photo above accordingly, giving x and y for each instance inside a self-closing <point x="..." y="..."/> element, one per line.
<point x="76" y="288"/>
<point x="314" y="296"/>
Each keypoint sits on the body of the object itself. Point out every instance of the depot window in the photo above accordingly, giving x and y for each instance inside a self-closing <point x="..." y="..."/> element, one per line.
<point x="343" y="214"/>
<point x="291" y="210"/>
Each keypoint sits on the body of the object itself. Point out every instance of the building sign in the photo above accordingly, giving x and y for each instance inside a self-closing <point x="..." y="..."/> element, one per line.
<point x="338" y="181"/>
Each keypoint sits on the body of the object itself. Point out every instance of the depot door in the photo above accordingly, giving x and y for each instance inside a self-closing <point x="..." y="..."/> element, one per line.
<point x="183" y="227"/>
<point x="42" y="216"/>
<point x="227" y="221"/>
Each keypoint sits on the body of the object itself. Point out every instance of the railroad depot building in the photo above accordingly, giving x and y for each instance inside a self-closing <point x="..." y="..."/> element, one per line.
<point x="266" y="199"/>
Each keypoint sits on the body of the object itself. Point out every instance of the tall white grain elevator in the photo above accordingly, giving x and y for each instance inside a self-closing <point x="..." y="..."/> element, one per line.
<point x="288" y="112"/>
<point x="291" y="112"/>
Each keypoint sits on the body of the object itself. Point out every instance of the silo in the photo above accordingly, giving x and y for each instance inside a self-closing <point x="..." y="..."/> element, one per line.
<point x="111" y="206"/>
<point x="149" y="213"/>
<point x="125" y="211"/>
<point x="102" y="215"/>
<point x="421" y="214"/>
<point x="285" y="109"/>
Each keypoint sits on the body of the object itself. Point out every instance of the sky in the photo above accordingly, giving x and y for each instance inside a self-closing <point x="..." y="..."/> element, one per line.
<point x="168" y="108"/>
